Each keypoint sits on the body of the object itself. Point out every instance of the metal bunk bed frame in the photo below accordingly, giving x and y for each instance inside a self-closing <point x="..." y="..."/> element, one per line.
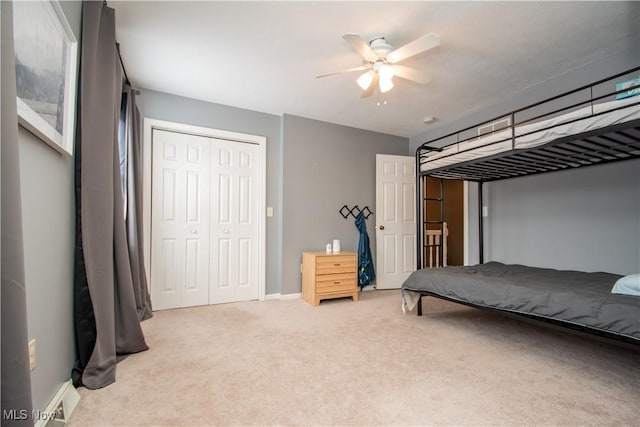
<point x="598" y="146"/>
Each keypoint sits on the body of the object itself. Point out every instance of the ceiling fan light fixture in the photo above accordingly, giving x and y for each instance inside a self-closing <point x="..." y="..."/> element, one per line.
<point x="365" y="80"/>
<point x="386" y="72"/>
<point x="380" y="59"/>
<point x="385" y="85"/>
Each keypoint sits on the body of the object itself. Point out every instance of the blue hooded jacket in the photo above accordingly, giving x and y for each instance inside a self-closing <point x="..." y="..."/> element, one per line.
<point x="366" y="271"/>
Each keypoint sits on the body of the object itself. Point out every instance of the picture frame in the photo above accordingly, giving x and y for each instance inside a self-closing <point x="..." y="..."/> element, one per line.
<point x="46" y="55"/>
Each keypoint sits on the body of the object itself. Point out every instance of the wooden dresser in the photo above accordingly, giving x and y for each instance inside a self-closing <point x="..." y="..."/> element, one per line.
<point x="327" y="276"/>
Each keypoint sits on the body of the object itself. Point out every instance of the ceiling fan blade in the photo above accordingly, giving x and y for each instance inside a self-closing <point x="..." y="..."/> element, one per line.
<point x="372" y="87"/>
<point x="412" y="74"/>
<point x="360" y="46"/>
<point x="415" y="47"/>
<point x="348" y="70"/>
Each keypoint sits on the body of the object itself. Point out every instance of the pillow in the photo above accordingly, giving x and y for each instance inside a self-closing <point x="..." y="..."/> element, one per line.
<point x="627" y="285"/>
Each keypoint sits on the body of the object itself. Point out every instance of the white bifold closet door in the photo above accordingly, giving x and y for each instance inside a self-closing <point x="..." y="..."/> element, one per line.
<point x="204" y="230"/>
<point x="233" y="271"/>
<point x="180" y="220"/>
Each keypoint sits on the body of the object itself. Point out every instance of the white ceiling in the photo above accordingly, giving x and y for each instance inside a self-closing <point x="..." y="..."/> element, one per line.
<point x="264" y="56"/>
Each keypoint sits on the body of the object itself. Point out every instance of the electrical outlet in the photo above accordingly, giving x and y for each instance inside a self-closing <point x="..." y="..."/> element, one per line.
<point x="32" y="354"/>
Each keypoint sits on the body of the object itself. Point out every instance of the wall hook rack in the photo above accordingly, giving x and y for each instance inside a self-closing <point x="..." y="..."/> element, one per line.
<point x="345" y="211"/>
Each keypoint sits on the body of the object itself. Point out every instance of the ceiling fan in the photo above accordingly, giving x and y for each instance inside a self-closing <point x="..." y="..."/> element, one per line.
<point x="381" y="62"/>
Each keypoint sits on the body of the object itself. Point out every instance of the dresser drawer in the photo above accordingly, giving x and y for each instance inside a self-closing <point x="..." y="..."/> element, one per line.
<point x="336" y="264"/>
<point x="330" y="283"/>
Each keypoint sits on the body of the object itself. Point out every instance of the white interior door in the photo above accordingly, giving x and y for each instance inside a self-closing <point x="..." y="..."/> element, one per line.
<point x="395" y="217"/>
<point x="234" y="222"/>
<point x="180" y="215"/>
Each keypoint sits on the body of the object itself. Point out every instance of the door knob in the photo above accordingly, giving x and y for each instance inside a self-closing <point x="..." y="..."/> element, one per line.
<point x="226" y="231"/>
<point x="381" y="227"/>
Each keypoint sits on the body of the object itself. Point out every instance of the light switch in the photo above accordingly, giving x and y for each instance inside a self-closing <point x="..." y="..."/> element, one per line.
<point x="485" y="211"/>
<point x="269" y="211"/>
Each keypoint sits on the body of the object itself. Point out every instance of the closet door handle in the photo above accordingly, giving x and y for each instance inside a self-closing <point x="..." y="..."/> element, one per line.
<point x="381" y="227"/>
<point x="194" y="231"/>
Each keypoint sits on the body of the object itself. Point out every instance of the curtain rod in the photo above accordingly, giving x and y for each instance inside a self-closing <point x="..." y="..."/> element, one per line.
<point x="124" y="70"/>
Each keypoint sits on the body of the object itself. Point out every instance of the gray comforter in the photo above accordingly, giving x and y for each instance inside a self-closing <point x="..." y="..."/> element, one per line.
<point x="572" y="297"/>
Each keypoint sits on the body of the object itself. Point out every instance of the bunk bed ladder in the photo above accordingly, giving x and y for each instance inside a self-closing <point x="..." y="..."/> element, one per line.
<point x="436" y="242"/>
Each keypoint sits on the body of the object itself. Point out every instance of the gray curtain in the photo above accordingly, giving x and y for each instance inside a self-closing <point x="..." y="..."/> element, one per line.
<point x="16" y="376"/>
<point x="107" y="323"/>
<point x="133" y="203"/>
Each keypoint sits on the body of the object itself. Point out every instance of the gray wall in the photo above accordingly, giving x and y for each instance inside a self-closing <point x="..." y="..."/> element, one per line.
<point x="49" y="231"/>
<point x="326" y="166"/>
<point x="162" y="106"/>
<point x="584" y="219"/>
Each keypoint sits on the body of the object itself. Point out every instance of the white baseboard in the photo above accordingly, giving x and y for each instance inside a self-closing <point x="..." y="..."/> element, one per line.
<point x="282" y="297"/>
<point x="66" y="397"/>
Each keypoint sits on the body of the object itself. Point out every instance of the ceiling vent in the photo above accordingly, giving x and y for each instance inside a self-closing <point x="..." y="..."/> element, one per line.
<point x="495" y="126"/>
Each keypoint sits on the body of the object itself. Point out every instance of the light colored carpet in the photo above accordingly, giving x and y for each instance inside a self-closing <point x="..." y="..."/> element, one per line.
<point x="364" y="363"/>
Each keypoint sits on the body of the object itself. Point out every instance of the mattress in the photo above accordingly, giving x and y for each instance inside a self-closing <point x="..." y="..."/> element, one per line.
<point x="574" y="298"/>
<point x="535" y="134"/>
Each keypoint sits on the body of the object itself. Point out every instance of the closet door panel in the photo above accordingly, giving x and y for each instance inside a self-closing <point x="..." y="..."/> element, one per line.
<point x="180" y="220"/>
<point x="234" y="263"/>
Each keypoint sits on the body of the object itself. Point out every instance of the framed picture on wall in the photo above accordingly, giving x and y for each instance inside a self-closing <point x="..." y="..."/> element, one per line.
<point x="46" y="54"/>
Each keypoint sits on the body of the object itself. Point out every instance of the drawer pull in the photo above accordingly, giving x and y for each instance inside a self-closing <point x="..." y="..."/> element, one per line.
<point x="336" y="265"/>
<point x="336" y="283"/>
